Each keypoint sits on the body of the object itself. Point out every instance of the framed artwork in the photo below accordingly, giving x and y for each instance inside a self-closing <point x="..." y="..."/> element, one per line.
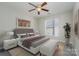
<point x="21" y="23"/>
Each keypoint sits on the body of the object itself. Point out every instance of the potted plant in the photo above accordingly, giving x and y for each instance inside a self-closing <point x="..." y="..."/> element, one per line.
<point x="67" y="29"/>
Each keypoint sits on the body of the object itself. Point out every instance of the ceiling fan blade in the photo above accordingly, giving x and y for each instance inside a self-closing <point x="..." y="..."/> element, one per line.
<point x="43" y="4"/>
<point x="38" y="13"/>
<point x="31" y="10"/>
<point x="45" y="10"/>
<point x="32" y="5"/>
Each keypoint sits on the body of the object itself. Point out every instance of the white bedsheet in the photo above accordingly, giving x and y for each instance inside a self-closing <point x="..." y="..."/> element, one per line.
<point x="48" y="47"/>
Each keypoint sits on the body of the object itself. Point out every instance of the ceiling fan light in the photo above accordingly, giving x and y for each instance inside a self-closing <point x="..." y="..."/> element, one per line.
<point x="38" y="9"/>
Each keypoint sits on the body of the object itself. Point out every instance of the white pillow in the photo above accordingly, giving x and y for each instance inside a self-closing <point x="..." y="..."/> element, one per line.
<point x="22" y="34"/>
<point x="19" y="35"/>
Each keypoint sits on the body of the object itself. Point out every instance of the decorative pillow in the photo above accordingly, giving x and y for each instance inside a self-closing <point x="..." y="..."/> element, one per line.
<point x="30" y="34"/>
<point x="32" y="37"/>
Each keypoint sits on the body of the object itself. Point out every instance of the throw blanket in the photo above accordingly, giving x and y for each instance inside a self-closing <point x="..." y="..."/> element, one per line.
<point x="27" y="43"/>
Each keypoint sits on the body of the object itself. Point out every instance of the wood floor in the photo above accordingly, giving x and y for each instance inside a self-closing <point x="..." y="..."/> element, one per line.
<point x="18" y="51"/>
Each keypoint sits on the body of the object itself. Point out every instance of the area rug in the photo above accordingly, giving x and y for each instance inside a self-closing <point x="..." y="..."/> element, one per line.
<point x="18" y="51"/>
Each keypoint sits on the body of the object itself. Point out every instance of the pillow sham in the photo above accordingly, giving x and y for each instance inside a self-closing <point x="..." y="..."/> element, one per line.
<point x="22" y="35"/>
<point x="30" y="34"/>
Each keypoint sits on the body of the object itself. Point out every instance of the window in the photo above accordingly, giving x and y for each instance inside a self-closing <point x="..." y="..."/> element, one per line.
<point x="51" y="27"/>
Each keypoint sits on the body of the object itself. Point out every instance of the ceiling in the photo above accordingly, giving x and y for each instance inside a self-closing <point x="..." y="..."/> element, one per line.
<point x="54" y="7"/>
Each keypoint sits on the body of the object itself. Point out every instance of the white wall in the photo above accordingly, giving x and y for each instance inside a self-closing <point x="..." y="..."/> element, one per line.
<point x="8" y="19"/>
<point x="62" y="18"/>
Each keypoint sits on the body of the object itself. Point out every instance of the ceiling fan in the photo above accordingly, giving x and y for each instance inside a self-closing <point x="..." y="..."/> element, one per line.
<point x="39" y="8"/>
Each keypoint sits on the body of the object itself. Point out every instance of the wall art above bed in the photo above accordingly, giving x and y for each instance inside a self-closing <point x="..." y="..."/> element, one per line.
<point x="21" y="23"/>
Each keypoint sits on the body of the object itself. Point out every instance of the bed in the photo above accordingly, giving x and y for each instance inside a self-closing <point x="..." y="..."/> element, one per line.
<point x="41" y="44"/>
<point x="35" y="44"/>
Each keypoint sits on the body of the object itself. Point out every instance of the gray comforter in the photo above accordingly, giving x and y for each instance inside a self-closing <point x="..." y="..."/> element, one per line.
<point x="34" y="41"/>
